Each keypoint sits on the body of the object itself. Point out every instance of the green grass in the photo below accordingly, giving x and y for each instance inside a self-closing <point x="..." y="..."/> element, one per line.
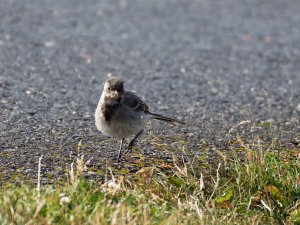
<point x="262" y="187"/>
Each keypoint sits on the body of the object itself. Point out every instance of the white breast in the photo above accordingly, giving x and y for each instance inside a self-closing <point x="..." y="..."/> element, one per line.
<point x="123" y="124"/>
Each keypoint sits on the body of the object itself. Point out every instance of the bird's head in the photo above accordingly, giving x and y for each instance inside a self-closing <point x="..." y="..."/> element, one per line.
<point x="114" y="88"/>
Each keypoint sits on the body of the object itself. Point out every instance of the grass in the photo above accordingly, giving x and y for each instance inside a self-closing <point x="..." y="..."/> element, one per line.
<point x="262" y="187"/>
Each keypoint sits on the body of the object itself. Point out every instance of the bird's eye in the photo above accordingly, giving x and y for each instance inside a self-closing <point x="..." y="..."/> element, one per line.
<point x="109" y="88"/>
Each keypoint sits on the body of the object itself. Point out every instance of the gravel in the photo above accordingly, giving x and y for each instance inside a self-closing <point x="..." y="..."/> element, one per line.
<point x="211" y="63"/>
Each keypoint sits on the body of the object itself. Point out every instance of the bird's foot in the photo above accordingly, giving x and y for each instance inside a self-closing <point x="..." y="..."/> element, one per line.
<point x="118" y="159"/>
<point x="129" y="148"/>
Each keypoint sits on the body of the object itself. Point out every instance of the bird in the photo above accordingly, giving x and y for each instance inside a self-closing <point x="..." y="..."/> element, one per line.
<point x="121" y="113"/>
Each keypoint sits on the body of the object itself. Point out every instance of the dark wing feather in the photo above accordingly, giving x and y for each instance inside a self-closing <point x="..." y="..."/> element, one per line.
<point x="134" y="102"/>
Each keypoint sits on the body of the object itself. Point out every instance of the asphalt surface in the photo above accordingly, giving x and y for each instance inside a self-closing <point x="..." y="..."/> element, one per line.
<point x="211" y="63"/>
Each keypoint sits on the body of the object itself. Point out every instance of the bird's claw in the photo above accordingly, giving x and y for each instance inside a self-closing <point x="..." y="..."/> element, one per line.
<point x="118" y="159"/>
<point x="128" y="148"/>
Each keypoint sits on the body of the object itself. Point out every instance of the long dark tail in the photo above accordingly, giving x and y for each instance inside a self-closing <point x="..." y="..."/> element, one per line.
<point x="167" y="119"/>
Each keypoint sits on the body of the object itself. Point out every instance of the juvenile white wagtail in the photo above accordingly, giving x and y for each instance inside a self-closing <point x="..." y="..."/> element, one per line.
<point x="121" y="113"/>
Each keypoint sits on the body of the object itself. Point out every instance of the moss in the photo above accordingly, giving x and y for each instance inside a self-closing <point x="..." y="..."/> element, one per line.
<point x="4" y="154"/>
<point x="96" y="171"/>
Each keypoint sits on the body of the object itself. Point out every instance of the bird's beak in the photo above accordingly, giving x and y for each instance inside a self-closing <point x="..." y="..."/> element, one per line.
<point x="116" y="96"/>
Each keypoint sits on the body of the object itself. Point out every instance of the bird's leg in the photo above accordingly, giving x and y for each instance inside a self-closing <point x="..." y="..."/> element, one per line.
<point x="131" y="143"/>
<point x="121" y="146"/>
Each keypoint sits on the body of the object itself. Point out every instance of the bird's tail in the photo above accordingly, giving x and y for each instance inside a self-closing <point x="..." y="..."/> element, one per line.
<point x="164" y="118"/>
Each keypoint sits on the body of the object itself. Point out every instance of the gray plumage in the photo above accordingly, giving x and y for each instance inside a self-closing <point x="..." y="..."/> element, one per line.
<point x="121" y="113"/>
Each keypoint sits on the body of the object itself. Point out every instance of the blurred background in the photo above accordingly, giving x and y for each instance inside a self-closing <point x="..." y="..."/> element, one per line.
<point x="214" y="64"/>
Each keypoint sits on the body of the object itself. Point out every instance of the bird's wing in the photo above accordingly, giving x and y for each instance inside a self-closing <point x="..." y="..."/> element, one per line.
<point x="134" y="102"/>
